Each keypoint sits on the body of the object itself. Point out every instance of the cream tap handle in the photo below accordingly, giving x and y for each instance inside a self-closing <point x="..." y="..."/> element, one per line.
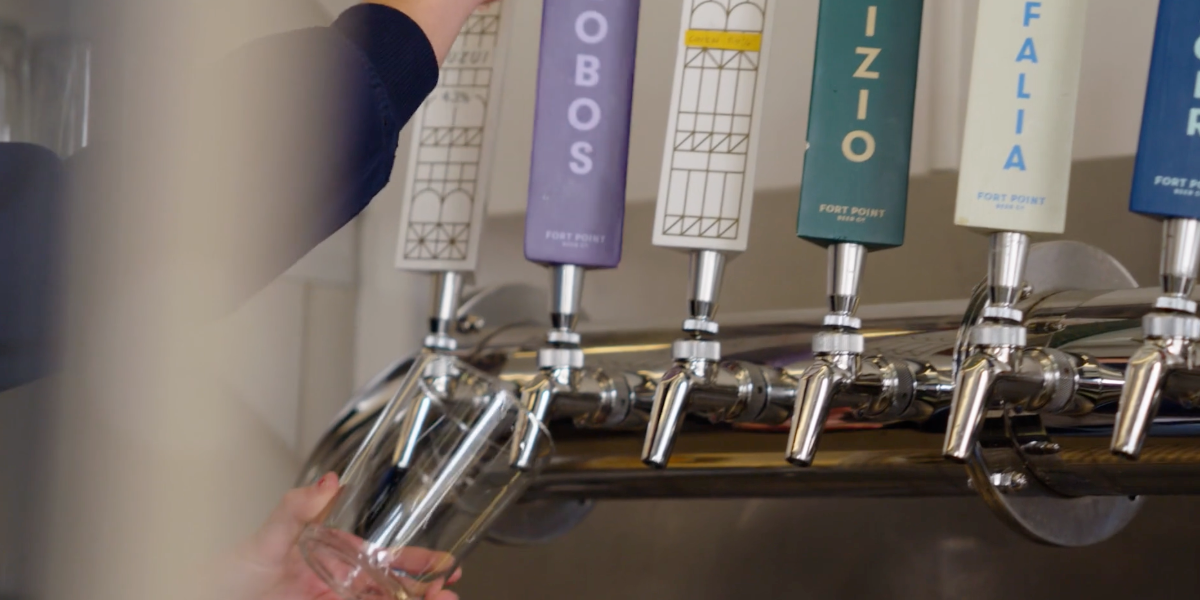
<point x="707" y="185"/>
<point x="453" y="144"/>
<point x="1016" y="160"/>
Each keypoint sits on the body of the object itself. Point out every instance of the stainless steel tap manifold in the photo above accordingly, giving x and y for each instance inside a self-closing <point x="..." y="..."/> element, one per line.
<point x="875" y="452"/>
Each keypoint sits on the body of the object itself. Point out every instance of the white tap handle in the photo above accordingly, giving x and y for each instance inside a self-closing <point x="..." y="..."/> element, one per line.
<point x="707" y="184"/>
<point x="453" y="143"/>
<point x="1016" y="161"/>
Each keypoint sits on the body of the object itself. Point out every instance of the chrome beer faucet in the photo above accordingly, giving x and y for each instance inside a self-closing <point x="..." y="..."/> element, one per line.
<point x="441" y="374"/>
<point x="838" y="350"/>
<point x="1000" y="368"/>
<point x="563" y="386"/>
<point x="877" y="388"/>
<point x="700" y="383"/>
<point x="575" y="217"/>
<point x="1171" y="331"/>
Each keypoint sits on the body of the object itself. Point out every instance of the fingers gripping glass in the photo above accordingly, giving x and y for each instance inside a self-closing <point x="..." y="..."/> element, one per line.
<point x="400" y="532"/>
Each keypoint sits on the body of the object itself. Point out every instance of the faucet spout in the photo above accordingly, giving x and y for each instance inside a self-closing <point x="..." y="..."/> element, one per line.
<point x="666" y="416"/>
<point x="537" y="399"/>
<point x="971" y="392"/>
<point x="412" y="429"/>
<point x="1144" y="376"/>
<point x="437" y="382"/>
<point x="818" y="385"/>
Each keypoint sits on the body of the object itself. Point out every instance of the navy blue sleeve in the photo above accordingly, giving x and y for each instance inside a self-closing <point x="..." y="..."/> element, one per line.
<point x="398" y="54"/>
<point x="31" y="243"/>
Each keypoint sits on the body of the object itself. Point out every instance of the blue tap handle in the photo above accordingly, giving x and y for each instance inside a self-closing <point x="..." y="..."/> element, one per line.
<point x="1166" y="178"/>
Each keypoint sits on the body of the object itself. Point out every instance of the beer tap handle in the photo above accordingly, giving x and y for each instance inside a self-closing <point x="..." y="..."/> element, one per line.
<point x="576" y="205"/>
<point x="1166" y="170"/>
<point x="445" y="187"/>
<point x="706" y="189"/>
<point x="707" y="185"/>
<point x="854" y="194"/>
<point x="452" y="149"/>
<point x="1016" y="160"/>
<point x="1014" y="177"/>
<point x="855" y="186"/>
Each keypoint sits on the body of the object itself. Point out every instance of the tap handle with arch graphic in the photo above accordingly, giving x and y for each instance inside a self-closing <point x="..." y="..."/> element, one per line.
<point x="706" y="189"/>
<point x="453" y="140"/>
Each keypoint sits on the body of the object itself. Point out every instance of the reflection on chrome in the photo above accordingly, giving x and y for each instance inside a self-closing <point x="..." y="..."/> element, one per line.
<point x="901" y="455"/>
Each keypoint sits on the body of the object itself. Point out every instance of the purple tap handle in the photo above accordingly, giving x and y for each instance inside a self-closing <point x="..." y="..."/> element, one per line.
<point x="581" y="132"/>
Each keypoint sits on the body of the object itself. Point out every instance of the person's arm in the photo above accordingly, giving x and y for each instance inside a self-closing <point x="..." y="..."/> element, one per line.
<point x="440" y="21"/>
<point x="296" y="172"/>
<point x="304" y="169"/>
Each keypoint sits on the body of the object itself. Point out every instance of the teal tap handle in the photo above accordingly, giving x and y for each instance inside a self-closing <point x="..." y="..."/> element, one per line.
<point x="855" y="187"/>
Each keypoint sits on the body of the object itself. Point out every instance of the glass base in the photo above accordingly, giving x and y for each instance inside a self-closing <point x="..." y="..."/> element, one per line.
<point x="344" y="567"/>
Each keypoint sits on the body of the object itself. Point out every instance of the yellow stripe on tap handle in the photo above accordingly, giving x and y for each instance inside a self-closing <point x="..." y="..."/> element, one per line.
<point x="742" y="41"/>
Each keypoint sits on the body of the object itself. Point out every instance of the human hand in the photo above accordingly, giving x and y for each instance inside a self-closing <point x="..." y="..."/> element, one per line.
<point x="269" y="566"/>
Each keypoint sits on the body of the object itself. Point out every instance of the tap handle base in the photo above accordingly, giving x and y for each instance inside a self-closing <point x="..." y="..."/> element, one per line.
<point x="1168" y="154"/>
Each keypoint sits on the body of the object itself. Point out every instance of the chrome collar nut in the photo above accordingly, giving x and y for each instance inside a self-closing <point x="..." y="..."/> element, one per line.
<point x="1165" y="325"/>
<point x="1175" y="303"/>
<point x="834" y="342"/>
<point x="994" y="335"/>
<point x="560" y="358"/>
<point x="697" y="350"/>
